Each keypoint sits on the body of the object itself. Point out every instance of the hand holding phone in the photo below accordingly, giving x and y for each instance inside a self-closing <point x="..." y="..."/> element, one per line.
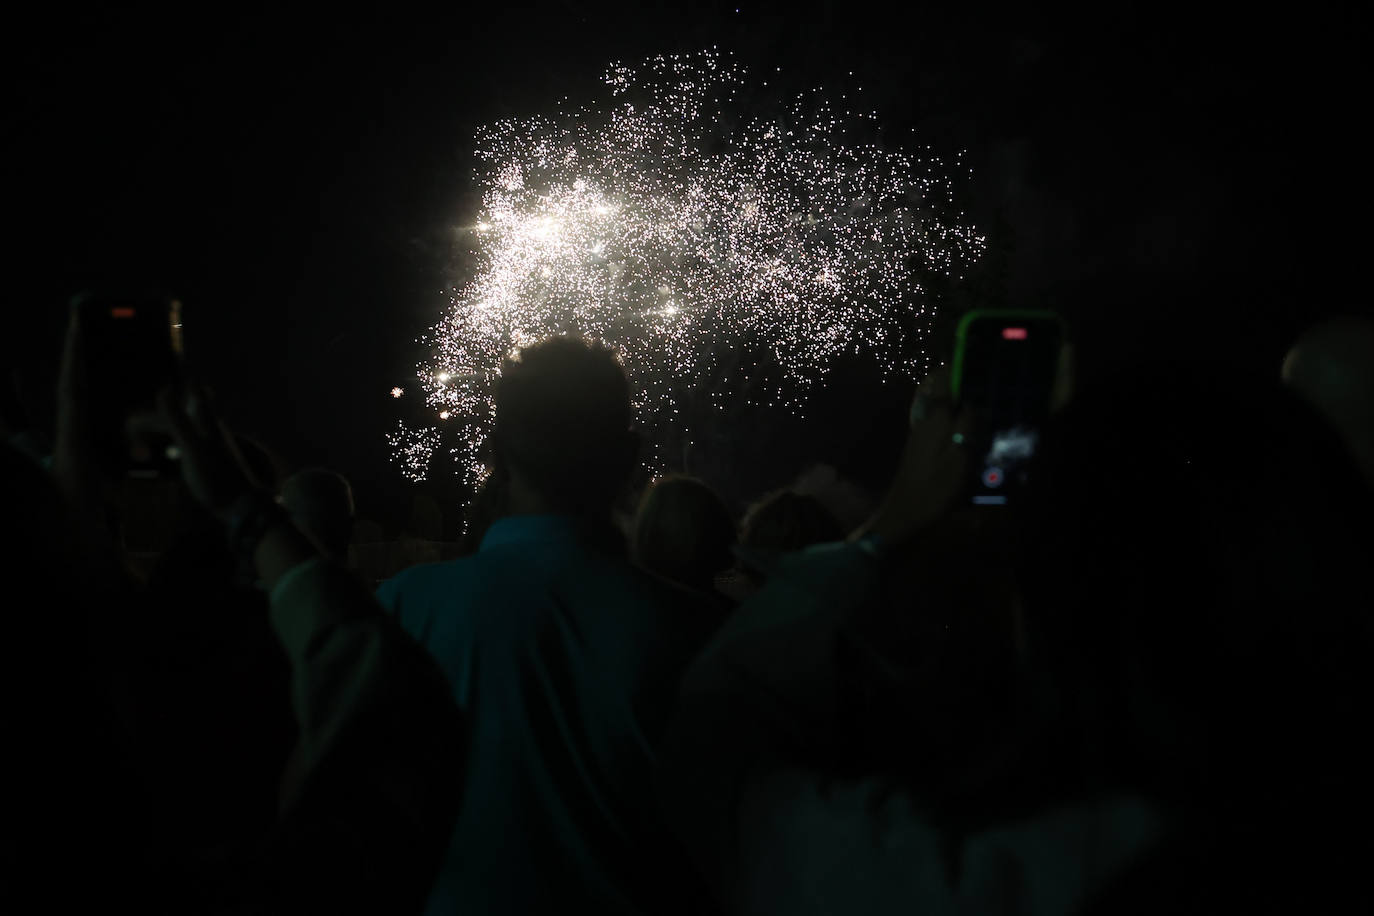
<point x="934" y="465"/>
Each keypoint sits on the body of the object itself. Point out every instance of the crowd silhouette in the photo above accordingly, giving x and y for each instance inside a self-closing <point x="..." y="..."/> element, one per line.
<point x="1139" y="689"/>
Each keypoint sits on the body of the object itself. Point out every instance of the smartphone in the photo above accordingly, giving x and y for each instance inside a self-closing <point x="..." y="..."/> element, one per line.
<point x="1006" y="363"/>
<point x="133" y="349"/>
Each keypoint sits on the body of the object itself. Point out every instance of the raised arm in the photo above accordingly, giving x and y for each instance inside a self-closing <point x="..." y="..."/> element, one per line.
<point x="369" y="800"/>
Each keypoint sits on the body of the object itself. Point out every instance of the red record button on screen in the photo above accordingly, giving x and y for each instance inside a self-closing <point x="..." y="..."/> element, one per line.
<point x="1013" y="333"/>
<point x="992" y="477"/>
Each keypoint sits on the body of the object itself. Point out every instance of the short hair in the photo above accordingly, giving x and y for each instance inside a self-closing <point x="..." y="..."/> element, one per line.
<point x="563" y="422"/>
<point x="784" y="521"/>
<point x="320" y="501"/>
<point x="781" y="522"/>
<point x="684" y="531"/>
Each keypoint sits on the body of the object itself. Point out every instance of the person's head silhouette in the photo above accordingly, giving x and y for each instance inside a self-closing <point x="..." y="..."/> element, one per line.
<point x="563" y="439"/>
<point x="684" y="532"/>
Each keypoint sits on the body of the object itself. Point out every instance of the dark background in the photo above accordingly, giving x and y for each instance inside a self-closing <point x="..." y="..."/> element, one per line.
<point x="1169" y="180"/>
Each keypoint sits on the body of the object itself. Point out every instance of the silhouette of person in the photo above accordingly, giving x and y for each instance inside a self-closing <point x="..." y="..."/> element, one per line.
<point x="563" y="656"/>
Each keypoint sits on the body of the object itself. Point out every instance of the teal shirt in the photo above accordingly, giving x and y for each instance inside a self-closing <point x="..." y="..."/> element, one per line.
<point x="565" y="661"/>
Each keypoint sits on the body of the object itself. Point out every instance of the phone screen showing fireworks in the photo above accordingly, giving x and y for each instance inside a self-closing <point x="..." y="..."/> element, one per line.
<point x="1005" y="367"/>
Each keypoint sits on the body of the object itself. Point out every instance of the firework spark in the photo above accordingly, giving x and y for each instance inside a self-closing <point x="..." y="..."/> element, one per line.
<point x="693" y="248"/>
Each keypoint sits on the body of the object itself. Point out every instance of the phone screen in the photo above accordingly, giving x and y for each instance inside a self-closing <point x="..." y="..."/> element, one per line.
<point x="132" y="350"/>
<point x="1006" y="364"/>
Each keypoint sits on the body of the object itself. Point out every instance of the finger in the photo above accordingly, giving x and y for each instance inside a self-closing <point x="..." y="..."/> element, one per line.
<point x="201" y="409"/>
<point x="935" y="384"/>
<point x="72" y="380"/>
<point x="917" y="413"/>
<point x="964" y="424"/>
<point x="923" y="406"/>
<point x="939" y="415"/>
<point x="930" y="393"/>
<point x="171" y="402"/>
<point x="235" y="452"/>
<point x="931" y="433"/>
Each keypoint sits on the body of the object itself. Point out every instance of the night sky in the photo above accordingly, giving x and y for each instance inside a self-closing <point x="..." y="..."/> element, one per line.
<point x="1164" y="180"/>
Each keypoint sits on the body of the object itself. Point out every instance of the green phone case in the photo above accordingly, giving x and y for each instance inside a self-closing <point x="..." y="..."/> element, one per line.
<point x="956" y="370"/>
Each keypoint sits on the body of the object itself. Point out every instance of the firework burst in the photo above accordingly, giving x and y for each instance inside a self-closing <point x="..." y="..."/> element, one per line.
<point x="699" y="241"/>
